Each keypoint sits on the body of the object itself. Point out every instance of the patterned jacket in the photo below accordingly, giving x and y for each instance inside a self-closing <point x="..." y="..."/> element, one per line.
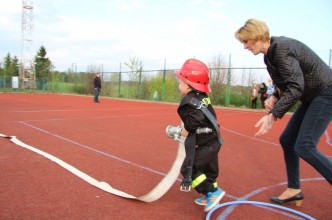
<point x="297" y="72"/>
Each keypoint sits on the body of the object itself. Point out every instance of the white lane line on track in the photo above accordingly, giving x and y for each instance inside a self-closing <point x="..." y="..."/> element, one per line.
<point x="94" y="150"/>
<point x="100" y="117"/>
<point x="246" y="136"/>
<point x="80" y="110"/>
<point x="230" y="209"/>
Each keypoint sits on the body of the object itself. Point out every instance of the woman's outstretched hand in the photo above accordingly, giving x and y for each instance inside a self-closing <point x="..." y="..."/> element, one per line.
<point x="264" y="124"/>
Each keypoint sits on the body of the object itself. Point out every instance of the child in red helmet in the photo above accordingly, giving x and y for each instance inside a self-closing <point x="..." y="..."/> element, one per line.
<point x="204" y="168"/>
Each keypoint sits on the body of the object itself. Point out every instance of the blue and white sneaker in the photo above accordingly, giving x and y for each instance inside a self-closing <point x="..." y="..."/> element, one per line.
<point x="213" y="198"/>
<point x="201" y="201"/>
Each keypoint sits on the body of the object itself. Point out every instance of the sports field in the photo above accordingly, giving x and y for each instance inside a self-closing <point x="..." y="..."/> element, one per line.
<point x="123" y="143"/>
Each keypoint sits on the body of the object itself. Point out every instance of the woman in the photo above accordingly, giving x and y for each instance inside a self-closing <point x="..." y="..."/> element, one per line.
<point x="262" y="91"/>
<point x="254" y="94"/>
<point x="299" y="75"/>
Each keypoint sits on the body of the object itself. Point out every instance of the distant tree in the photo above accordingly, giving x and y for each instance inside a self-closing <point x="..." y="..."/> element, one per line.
<point x="43" y="65"/>
<point x="6" y="64"/>
<point x="10" y="66"/>
<point x="14" y="67"/>
<point x="136" y="67"/>
<point x="218" y="78"/>
<point x="135" y="76"/>
<point x="171" y="86"/>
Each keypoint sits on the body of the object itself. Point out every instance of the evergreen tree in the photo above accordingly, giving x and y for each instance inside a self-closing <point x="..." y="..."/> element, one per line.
<point x="10" y="66"/>
<point x="7" y="63"/>
<point x="14" y="67"/>
<point x="42" y="64"/>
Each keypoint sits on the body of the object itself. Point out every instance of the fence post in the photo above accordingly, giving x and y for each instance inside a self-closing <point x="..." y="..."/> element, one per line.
<point x="163" y="85"/>
<point x="103" y="91"/>
<point x="228" y="86"/>
<point x="249" y="84"/>
<point x="74" y="70"/>
<point x="52" y="72"/>
<point x="4" y="77"/>
<point x="119" y="86"/>
<point x="140" y="83"/>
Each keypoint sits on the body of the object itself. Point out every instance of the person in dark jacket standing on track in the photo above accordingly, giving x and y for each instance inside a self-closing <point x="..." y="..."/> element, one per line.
<point x="194" y="86"/>
<point x="263" y="92"/>
<point x="299" y="75"/>
<point x="97" y="86"/>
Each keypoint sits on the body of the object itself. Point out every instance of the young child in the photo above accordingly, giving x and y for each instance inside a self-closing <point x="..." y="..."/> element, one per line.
<point x="196" y="111"/>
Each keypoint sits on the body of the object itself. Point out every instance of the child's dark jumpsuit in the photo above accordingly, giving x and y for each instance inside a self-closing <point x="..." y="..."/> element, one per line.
<point x="205" y="166"/>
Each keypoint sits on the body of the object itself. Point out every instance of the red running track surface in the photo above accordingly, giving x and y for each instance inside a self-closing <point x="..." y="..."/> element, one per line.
<point x="123" y="142"/>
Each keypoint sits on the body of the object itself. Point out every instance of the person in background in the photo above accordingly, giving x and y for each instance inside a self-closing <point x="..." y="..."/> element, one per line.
<point x="97" y="86"/>
<point x="194" y="86"/>
<point x="270" y="88"/>
<point x="262" y="92"/>
<point x="254" y="95"/>
<point x="155" y="96"/>
<point x="298" y="74"/>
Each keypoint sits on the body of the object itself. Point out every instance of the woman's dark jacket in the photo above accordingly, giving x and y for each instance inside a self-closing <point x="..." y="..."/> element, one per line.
<point x="297" y="72"/>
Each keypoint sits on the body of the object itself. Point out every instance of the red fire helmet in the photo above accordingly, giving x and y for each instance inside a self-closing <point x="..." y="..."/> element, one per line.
<point x="196" y="74"/>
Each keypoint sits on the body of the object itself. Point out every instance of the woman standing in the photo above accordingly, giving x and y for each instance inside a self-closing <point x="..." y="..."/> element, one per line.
<point x="299" y="75"/>
<point x="254" y="95"/>
<point x="263" y="92"/>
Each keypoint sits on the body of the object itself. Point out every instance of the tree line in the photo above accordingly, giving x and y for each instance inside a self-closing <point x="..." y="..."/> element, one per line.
<point x="11" y="66"/>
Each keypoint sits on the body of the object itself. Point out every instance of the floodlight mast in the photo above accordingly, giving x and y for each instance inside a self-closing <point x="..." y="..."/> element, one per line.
<point x="27" y="70"/>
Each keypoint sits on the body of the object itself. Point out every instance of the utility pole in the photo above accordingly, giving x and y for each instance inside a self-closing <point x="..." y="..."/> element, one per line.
<point x="27" y="70"/>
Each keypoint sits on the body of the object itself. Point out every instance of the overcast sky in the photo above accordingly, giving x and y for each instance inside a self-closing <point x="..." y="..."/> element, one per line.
<point x="110" y="32"/>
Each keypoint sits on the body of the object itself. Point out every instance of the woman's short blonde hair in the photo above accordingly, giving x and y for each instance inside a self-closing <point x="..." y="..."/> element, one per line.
<point x="253" y="29"/>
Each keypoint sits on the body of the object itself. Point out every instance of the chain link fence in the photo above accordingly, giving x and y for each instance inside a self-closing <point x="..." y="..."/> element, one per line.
<point x="231" y="85"/>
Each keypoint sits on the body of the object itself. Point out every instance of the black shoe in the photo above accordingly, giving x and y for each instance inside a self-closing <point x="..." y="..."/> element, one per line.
<point x="298" y="198"/>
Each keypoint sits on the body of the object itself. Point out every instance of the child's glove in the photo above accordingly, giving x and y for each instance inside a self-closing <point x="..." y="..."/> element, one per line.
<point x="186" y="184"/>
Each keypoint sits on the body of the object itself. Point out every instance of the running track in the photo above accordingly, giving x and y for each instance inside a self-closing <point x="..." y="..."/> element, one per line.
<point x="124" y="143"/>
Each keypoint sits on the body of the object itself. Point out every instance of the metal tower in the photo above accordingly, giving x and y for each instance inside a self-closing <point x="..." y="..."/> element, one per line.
<point x="27" y="70"/>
